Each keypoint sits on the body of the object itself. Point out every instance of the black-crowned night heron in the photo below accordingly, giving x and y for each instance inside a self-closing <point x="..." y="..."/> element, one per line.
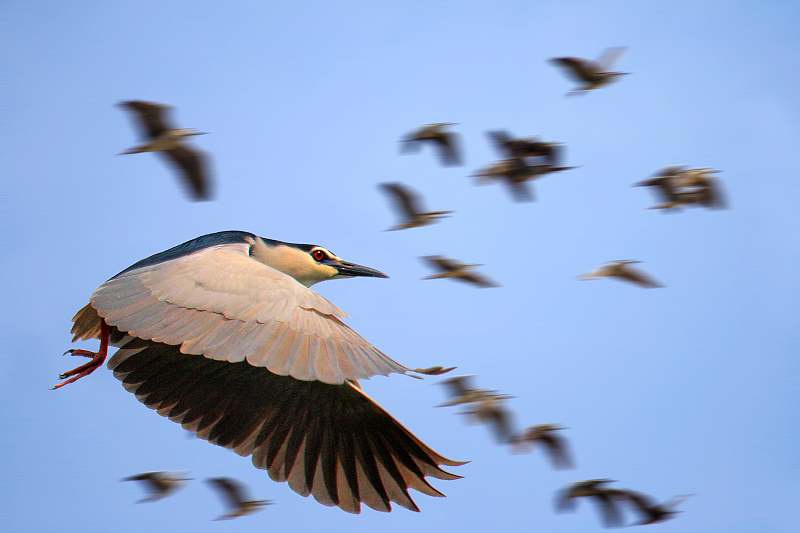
<point x="234" y="494"/>
<point x="159" y="484"/>
<point x="554" y="445"/>
<point x="596" y="490"/>
<point x="223" y="335"/>
<point x="622" y="271"/>
<point x="450" y="268"/>
<point x="650" y="511"/>
<point x="446" y="142"/>
<point x="161" y="137"/>
<point x="593" y="74"/>
<point x="408" y="204"/>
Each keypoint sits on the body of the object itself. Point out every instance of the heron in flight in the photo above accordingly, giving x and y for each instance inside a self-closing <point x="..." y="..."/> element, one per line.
<point x="554" y="445"/>
<point x="190" y="163"/>
<point x="622" y="271"/>
<point x="677" y="186"/>
<point x="446" y="142"/>
<point x="523" y="147"/>
<point x="595" y="489"/>
<point x="592" y="74"/>
<point x="408" y="203"/>
<point x="515" y="172"/>
<point x="223" y="335"/>
<point x="159" y="484"/>
<point x="450" y="268"/>
<point x="650" y="512"/>
<point x="235" y="496"/>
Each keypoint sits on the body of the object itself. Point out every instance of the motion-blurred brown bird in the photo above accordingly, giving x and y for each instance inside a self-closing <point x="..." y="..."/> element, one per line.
<point x="650" y="511"/>
<point x="678" y="186"/>
<point x="524" y="147"/>
<point x="555" y="446"/>
<point x="594" y="489"/>
<point x="514" y="173"/>
<point x="234" y="495"/>
<point x="159" y="484"/>
<point x="161" y="137"/>
<point x="620" y="270"/>
<point x="491" y="410"/>
<point x="446" y="142"/>
<point x="408" y="204"/>
<point x="461" y="391"/>
<point x="450" y="268"/>
<point x="593" y="74"/>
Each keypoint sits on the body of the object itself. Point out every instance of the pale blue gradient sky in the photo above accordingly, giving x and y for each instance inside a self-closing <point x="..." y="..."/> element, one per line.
<point x="688" y="389"/>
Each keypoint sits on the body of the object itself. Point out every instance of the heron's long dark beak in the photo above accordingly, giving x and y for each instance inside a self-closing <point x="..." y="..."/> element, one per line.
<point x="351" y="270"/>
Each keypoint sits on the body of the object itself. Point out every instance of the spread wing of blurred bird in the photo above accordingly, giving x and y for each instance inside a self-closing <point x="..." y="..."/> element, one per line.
<point x="491" y="410"/>
<point x="524" y="147"/>
<point x="446" y="142"/>
<point x="650" y="511"/>
<point x="407" y="202"/>
<point x="595" y="489"/>
<point x="592" y="74"/>
<point x="450" y="268"/>
<point x="161" y="137"/>
<point x="234" y="495"/>
<point x="462" y="391"/>
<point x="223" y="335"/>
<point x="621" y="270"/>
<point x="555" y="445"/>
<point x="159" y="484"/>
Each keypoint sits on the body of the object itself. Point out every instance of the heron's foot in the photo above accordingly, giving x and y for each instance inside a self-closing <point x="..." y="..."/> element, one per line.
<point x="434" y="370"/>
<point x="98" y="358"/>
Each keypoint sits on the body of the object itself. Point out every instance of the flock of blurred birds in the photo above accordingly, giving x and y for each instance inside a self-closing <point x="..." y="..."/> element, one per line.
<point x="523" y="160"/>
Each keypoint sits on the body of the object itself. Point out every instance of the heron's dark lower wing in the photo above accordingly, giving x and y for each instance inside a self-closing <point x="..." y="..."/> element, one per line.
<point x="331" y="441"/>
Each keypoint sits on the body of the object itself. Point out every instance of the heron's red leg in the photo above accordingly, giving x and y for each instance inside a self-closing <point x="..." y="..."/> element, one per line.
<point x="97" y="359"/>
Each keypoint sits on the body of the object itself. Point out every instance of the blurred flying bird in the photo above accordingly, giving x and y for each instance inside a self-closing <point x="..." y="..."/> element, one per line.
<point x="461" y="391"/>
<point x="592" y="74"/>
<point x="678" y="186"/>
<point x="159" y="484"/>
<point x="407" y="202"/>
<point x="526" y="147"/>
<point x="621" y="270"/>
<point x="460" y="271"/>
<point x="650" y="511"/>
<point x="555" y="445"/>
<point x="514" y="173"/>
<point x="446" y="142"/>
<point x="234" y="495"/>
<point x="594" y="489"/>
<point x="223" y="335"/>
<point x="161" y="137"/>
<point x="491" y="410"/>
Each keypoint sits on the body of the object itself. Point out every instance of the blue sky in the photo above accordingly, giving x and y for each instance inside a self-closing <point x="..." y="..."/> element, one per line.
<point x="690" y="389"/>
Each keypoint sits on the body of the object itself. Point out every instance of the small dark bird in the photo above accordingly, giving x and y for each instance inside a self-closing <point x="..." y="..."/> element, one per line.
<point x="445" y="141"/>
<point x="407" y="202"/>
<point x="524" y="147"/>
<point x="461" y="391"/>
<point x="650" y="511"/>
<point x="163" y="138"/>
<point x="460" y="271"/>
<point x="594" y="489"/>
<point x="555" y="446"/>
<point x="514" y="173"/>
<point x="234" y="494"/>
<point x="593" y="74"/>
<point x="621" y="270"/>
<point x="159" y="484"/>
<point x="491" y="410"/>
<point x="678" y="186"/>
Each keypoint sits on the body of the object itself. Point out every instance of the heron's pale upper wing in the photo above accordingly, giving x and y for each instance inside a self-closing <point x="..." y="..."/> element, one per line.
<point x="331" y="441"/>
<point x="609" y="57"/>
<point x="221" y="303"/>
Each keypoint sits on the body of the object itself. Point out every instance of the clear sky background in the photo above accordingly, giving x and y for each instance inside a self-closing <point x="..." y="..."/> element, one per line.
<point x="689" y="389"/>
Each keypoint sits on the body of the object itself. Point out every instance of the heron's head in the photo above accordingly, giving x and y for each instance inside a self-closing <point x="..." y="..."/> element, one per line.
<point x="308" y="263"/>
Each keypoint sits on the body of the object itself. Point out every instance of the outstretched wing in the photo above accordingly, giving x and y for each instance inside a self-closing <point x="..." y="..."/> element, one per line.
<point x="610" y="57"/>
<point x="221" y="303"/>
<point x="151" y="116"/>
<point x="231" y="490"/>
<point x="331" y="441"/>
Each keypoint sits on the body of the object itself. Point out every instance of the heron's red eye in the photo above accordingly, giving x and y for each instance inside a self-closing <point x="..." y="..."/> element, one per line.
<point x="319" y="255"/>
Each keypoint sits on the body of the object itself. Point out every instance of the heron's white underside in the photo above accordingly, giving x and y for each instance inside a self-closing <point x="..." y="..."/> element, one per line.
<point x="222" y="304"/>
